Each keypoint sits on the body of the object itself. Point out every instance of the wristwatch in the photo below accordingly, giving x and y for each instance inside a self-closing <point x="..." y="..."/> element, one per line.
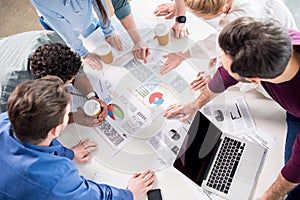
<point x="180" y="19"/>
<point x="92" y="94"/>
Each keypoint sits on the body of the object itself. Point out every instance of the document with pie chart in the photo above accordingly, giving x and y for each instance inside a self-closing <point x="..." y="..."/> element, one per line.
<point x="138" y="97"/>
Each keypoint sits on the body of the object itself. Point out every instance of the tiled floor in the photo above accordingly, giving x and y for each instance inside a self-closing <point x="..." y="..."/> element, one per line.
<point x="18" y="16"/>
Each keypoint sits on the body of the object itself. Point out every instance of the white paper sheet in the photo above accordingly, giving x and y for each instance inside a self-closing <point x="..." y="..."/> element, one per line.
<point x="232" y="116"/>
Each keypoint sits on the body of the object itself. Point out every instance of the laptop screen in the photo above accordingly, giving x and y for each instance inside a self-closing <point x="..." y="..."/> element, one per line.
<point x="198" y="149"/>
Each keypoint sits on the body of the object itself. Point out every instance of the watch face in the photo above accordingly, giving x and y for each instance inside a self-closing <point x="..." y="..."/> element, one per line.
<point x="181" y="19"/>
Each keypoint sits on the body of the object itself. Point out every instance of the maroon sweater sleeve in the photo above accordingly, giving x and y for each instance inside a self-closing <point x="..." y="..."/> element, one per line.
<point x="221" y="81"/>
<point x="292" y="168"/>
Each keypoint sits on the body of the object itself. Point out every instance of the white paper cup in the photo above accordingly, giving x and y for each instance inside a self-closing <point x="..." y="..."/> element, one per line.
<point x="105" y="52"/>
<point x="162" y="33"/>
<point x="92" y="108"/>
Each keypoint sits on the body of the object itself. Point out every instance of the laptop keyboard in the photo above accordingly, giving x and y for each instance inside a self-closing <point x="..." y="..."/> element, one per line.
<point x="225" y="165"/>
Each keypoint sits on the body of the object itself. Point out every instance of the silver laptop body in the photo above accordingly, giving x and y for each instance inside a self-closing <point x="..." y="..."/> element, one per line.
<point x="229" y="166"/>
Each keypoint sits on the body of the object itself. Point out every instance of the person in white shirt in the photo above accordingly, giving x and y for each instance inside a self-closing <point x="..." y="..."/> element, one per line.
<point x="227" y="11"/>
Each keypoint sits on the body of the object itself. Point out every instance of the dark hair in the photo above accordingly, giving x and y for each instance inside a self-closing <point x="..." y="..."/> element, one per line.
<point x="37" y="106"/>
<point x="55" y="59"/>
<point x="103" y="12"/>
<point x="258" y="47"/>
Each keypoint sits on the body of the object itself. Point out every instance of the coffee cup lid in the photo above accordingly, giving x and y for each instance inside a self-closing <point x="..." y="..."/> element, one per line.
<point x="103" y="48"/>
<point x="91" y="107"/>
<point x="161" y="29"/>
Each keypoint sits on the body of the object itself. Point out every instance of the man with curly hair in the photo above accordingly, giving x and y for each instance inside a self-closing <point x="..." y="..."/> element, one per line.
<point x="45" y="59"/>
<point x="59" y="60"/>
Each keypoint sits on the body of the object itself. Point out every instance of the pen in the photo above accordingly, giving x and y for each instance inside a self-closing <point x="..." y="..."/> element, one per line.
<point x="101" y="88"/>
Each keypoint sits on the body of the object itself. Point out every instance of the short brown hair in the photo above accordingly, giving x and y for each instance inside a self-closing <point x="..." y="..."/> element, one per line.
<point x="37" y="106"/>
<point x="258" y="47"/>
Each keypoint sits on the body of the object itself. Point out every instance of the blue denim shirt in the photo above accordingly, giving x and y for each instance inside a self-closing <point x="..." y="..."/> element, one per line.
<point x="34" y="172"/>
<point x="70" y="18"/>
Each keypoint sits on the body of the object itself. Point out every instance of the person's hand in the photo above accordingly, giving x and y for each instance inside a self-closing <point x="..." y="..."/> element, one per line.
<point x="179" y="30"/>
<point x="212" y="62"/>
<point x="82" y="151"/>
<point x="188" y="110"/>
<point x="200" y="82"/>
<point x="104" y="109"/>
<point x="115" y="41"/>
<point x="81" y="118"/>
<point x="173" y="61"/>
<point x="92" y="60"/>
<point x="141" y="183"/>
<point x="141" y="50"/>
<point x="166" y="9"/>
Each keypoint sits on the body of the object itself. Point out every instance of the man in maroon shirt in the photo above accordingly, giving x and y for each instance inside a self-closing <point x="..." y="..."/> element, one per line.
<point x="262" y="52"/>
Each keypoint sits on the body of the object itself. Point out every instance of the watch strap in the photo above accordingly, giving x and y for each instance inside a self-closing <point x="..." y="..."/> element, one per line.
<point x="180" y="19"/>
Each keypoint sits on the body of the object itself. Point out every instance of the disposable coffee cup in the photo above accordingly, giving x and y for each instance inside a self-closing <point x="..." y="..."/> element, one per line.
<point x="162" y="33"/>
<point x="92" y="108"/>
<point x="105" y="52"/>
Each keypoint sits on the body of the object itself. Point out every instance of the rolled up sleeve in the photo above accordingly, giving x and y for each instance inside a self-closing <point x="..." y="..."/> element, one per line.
<point x="292" y="168"/>
<point x="221" y="81"/>
<point x="122" y="8"/>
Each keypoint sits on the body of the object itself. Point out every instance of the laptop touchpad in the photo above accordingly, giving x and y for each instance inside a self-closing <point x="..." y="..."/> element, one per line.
<point x="246" y="171"/>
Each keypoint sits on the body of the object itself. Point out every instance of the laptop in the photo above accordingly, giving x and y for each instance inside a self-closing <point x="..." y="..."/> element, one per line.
<point x="218" y="162"/>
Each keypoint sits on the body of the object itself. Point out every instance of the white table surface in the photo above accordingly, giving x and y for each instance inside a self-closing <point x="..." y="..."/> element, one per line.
<point x="268" y="116"/>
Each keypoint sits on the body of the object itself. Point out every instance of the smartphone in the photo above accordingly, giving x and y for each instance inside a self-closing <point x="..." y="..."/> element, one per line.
<point x="154" y="194"/>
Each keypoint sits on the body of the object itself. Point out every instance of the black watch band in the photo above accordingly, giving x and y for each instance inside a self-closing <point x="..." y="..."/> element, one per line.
<point x="180" y="19"/>
<point x="96" y="95"/>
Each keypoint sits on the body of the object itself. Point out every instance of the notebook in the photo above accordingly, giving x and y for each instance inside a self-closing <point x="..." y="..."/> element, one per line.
<point x="218" y="162"/>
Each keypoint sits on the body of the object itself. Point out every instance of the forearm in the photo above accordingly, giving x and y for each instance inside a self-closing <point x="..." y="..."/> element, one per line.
<point x="185" y="54"/>
<point x="279" y="189"/>
<point x="205" y="96"/>
<point x="83" y="85"/>
<point x="180" y="8"/>
<point x="129" y="24"/>
<point x="206" y="48"/>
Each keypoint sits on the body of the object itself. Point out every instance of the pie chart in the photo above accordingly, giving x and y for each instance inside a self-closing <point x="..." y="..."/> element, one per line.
<point x="156" y="98"/>
<point x="115" y="112"/>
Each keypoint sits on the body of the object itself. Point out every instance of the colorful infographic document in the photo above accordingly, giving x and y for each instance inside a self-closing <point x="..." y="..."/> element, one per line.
<point x="137" y="96"/>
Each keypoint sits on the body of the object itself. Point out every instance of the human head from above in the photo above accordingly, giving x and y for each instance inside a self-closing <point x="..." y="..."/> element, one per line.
<point x="208" y="9"/>
<point x="55" y="59"/>
<point x="255" y="48"/>
<point x="35" y="107"/>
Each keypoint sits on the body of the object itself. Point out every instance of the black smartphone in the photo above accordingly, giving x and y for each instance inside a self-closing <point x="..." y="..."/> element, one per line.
<point x="154" y="194"/>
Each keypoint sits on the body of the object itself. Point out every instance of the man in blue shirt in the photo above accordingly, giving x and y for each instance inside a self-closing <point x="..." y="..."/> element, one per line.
<point x="34" y="165"/>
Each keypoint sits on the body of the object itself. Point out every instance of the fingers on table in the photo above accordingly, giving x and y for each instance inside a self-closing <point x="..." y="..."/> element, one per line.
<point x="142" y="53"/>
<point x="172" y="110"/>
<point x="148" y="178"/>
<point x="89" y="145"/>
<point x="95" y="64"/>
<point x="180" y="33"/>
